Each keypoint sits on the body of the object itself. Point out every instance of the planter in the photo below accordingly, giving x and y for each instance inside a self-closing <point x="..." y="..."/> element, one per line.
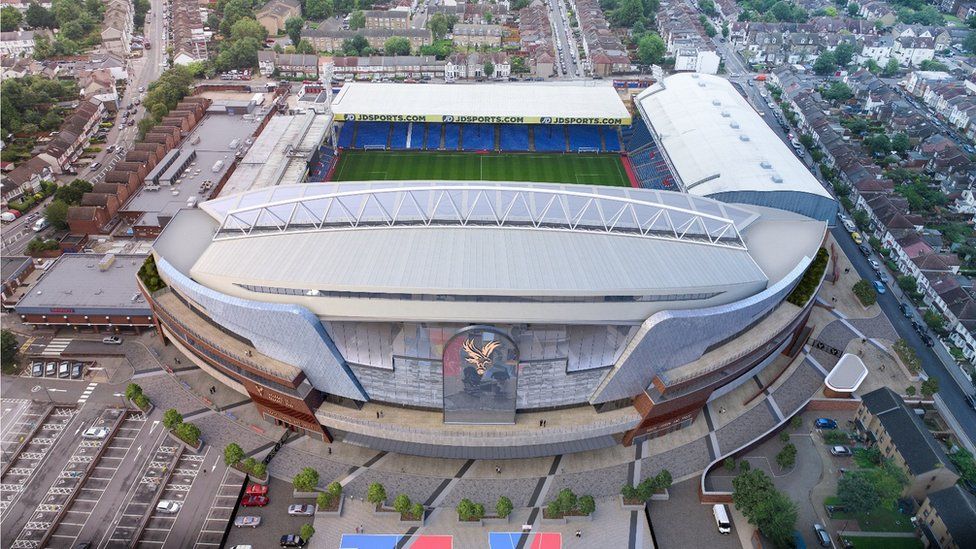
<point x="661" y="496"/>
<point x="496" y="520"/>
<point x="337" y="512"/>
<point x="256" y="480"/>
<point x="304" y="495"/>
<point x="147" y="411"/>
<point x="626" y="506"/>
<point x="382" y="509"/>
<point x="579" y="518"/>
<point x="194" y="449"/>
<point x="560" y="520"/>
<point x="470" y="522"/>
<point x="411" y="522"/>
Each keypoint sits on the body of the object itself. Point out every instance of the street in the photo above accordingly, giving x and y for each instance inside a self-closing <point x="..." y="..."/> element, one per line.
<point x="566" y="49"/>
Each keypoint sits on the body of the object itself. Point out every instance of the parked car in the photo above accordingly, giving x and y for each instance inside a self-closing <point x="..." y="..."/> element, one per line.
<point x="825" y="423"/>
<point x="906" y="311"/>
<point x="865" y="250"/>
<point x="879" y="287"/>
<point x="301" y="510"/>
<point x="874" y="264"/>
<point x="96" y="433"/>
<point x="94" y="166"/>
<point x="841" y="451"/>
<point x="831" y="509"/>
<point x="927" y="340"/>
<point x="822" y="536"/>
<point x="257" y="490"/>
<point x="51" y="369"/>
<point x="857" y="238"/>
<point x="242" y="547"/>
<point x="255" y="501"/>
<point x="64" y="370"/>
<point x="37" y="369"/>
<point x="76" y="370"/>
<point x="112" y="340"/>
<point x="291" y="540"/>
<point x="248" y="521"/>
<point x="168" y="506"/>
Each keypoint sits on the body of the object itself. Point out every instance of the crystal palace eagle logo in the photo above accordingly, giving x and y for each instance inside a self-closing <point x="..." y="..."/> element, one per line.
<point x="480" y="358"/>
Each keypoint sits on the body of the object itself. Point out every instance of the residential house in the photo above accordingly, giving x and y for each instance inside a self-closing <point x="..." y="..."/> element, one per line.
<point x="14" y="270"/>
<point x="19" y="43"/>
<point x="25" y="179"/>
<point x="900" y="435"/>
<point x="190" y="35"/>
<point x="603" y="52"/>
<point x="117" y="24"/>
<point x="294" y="65"/>
<point x="383" y="66"/>
<point x="468" y="35"/>
<point x="912" y="50"/>
<point x="948" y="518"/>
<point x="273" y="15"/>
<point x="387" y="19"/>
<point x="536" y="40"/>
<point x="878" y="11"/>
<point x="876" y="48"/>
<point x="73" y="137"/>
<point x="329" y="36"/>
<point x="472" y="65"/>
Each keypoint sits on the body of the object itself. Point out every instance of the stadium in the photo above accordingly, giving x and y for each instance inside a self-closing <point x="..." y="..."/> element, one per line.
<point x="439" y="310"/>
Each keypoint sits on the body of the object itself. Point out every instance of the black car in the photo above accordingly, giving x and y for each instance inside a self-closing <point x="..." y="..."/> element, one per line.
<point x="865" y="250"/>
<point x="918" y="327"/>
<point x="905" y="310"/>
<point x="927" y="340"/>
<point x="971" y="401"/>
<point x="291" y="540"/>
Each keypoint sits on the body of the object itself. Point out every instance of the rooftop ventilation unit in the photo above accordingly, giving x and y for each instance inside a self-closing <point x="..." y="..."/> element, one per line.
<point x="776" y="178"/>
<point x="716" y="102"/>
<point x="766" y="165"/>
<point x="734" y="125"/>
<point x="701" y="84"/>
<point x="743" y="138"/>
<point x="726" y="114"/>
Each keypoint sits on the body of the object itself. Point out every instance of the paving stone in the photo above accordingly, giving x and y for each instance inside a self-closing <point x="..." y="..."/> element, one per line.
<point x="745" y="428"/>
<point x="684" y="460"/>
<point x="797" y="388"/>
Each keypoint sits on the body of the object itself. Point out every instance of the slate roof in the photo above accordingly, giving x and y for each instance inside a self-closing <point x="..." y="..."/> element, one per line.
<point x="913" y="441"/>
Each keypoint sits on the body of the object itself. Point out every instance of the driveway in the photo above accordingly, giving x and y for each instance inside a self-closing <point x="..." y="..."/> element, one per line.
<point x="684" y="523"/>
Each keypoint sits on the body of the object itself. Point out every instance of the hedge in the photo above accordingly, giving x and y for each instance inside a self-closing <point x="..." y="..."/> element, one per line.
<point x="805" y="289"/>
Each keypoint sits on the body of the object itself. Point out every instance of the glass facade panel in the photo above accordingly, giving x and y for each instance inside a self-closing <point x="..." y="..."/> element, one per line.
<point x="480" y="377"/>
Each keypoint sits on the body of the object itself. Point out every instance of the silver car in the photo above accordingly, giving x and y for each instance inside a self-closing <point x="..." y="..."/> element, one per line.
<point x="301" y="510"/>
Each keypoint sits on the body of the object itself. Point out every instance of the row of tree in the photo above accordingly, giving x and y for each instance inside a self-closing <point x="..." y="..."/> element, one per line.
<point x="29" y="104"/>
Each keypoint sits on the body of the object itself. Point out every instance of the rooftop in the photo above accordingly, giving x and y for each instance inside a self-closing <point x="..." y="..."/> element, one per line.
<point x="564" y="102"/>
<point x="10" y="266"/>
<point x="957" y="507"/>
<point x="847" y="374"/>
<point x="914" y="442"/>
<point x="76" y="281"/>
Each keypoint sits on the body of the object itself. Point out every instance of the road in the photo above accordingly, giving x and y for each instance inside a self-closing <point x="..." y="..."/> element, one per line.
<point x="566" y="48"/>
<point x="949" y="388"/>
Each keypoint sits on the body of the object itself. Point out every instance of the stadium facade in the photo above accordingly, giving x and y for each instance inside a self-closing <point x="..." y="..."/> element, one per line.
<point x="475" y="309"/>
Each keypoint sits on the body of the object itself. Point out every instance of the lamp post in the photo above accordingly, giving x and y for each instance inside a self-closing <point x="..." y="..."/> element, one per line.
<point x="122" y="398"/>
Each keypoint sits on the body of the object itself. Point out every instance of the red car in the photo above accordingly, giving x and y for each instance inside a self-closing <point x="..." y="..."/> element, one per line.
<point x="254" y="501"/>
<point x="257" y="490"/>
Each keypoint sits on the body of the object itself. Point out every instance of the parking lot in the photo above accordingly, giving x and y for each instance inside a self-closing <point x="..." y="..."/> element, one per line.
<point x="275" y="520"/>
<point x="221" y="510"/>
<point x="57" y="369"/>
<point x="143" y="497"/>
<point x="27" y="440"/>
<point x="93" y="486"/>
<point x="161" y="522"/>
<point x="84" y="457"/>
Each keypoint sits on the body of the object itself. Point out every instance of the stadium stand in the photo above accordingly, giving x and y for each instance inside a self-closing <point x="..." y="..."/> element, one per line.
<point x="549" y="138"/>
<point x="346" y="133"/>
<point x="452" y="136"/>
<point x="651" y="169"/>
<point x="433" y="141"/>
<point x="637" y="135"/>
<point x="322" y="164"/>
<point x="372" y="134"/>
<point x="585" y="138"/>
<point x="514" y="137"/>
<point x="398" y="138"/>
<point x="478" y="137"/>
<point x="417" y="136"/>
<point x="611" y="139"/>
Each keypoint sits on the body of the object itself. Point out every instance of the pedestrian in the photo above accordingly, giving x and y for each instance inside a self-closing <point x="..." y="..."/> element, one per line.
<point x="579" y="533"/>
<point x="330" y="450"/>
<point x="377" y="415"/>
<point x="498" y="470"/>
<point x="882" y="366"/>
<point x="540" y="423"/>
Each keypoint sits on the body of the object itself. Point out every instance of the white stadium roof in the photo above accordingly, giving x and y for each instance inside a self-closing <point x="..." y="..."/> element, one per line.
<point x="717" y="142"/>
<point x="589" y="103"/>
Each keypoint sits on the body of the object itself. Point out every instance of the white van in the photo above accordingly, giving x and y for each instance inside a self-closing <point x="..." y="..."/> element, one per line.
<point x="721" y="514"/>
<point x="40" y="225"/>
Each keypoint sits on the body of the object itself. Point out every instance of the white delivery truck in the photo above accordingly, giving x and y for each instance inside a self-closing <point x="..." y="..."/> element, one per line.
<point x="722" y="521"/>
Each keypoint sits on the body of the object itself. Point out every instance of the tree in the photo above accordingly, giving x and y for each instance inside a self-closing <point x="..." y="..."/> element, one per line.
<point x="356" y="45"/>
<point x="878" y="144"/>
<point x="838" y="91"/>
<point x="189" y="432"/>
<point x="933" y="65"/>
<point x="929" y="387"/>
<point x="172" y="418"/>
<point x="293" y="28"/>
<point x="38" y="17"/>
<point x="725" y="30"/>
<point x="397" y="45"/>
<point x="857" y="492"/>
<point x="969" y="43"/>
<point x="504" y="507"/>
<point x="306" y="480"/>
<point x="247" y="27"/>
<point x="376" y="494"/>
<point x="132" y="390"/>
<point x="9" y="347"/>
<point x="233" y="454"/>
<point x="825" y="64"/>
<point x="707" y="7"/>
<point x="401" y="504"/>
<point x="488" y="69"/>
<point x="518" y="65"/>
<point x="651" y="49"/>
<point x="565" y="501"/>
<point x="439" y="26"/>
<point x="241" y="54"/>
<point x="306" y="531"/>
<point x="910" y="390"/>
<point x="72" y="193"/>
<point x="853" y="8"/>
<point x="865" y="292"/>
<point x="749" y="489"/>
<point x="319" y="9"/>
<point x="844" y="54"/>
<point x="891" y="68"/>
<point x="586" y="505"/>
<point x="872" y="66"/>
<point x="57" y="214"/>
<point x="357" y="20"/>
<point x="626" y="13"/>
<point x="786" y="457"/>
<point x="900" y="142"/>
<point x="776" y="518"/>
<point x="10" y="19"/>
<point x="305" y="47"/>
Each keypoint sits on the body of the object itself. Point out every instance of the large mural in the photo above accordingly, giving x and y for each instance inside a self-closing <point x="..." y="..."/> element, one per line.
<point x="480" y="377"/>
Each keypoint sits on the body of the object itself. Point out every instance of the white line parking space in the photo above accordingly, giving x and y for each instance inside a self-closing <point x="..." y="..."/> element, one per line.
<point x="221" y="510"/>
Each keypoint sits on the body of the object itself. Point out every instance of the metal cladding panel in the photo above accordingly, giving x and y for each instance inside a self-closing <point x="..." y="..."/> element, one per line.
<point x="673" y="338"/>
<point x="482" y="452"/>
<point x="288" y="333"/>
<point x="810" y="205"/>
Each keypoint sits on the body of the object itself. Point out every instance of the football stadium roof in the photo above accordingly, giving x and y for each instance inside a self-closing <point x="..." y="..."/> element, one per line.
<point x="719" y="145"/>
<point x="539" y="103"/>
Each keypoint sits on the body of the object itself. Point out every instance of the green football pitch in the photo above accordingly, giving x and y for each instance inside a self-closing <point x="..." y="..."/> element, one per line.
<point x="590" y="169"/>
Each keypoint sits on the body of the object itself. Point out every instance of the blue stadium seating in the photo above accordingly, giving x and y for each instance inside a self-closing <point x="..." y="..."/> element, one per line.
<point x="637" y="135"/>
<point x="372" y="134"/>
<point x="452" y="136"/>
<point x="398" y="139"/>
<point x="514" y="137"/>
<point x="549" y="138"/>
<point x="346" y="134"/>
<point x="611" y="139"/>
<point x="433" y="141"/>
<point x="651" y="169"/>
<point x="322" y="163"/>
<point x="417" y="135"/>
<point x="478" y="137"/>
<point x="584" y="137"/>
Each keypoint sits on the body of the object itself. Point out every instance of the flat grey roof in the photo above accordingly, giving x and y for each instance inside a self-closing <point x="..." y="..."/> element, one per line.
<point x="11" y="266"/>
<point x="76" y="282"/>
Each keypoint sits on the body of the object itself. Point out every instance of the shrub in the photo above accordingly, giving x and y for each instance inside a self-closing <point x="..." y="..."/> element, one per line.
<point x="401" y="503"/>
<point x="172" y="418"/>
<point x="417" y="510"/>
<point x="908" y="356"/>
<point x="744" y="466"/>
<point x="248" y="464"/>
<point x="132" y="390"/>
<point x="142" y="401"/>
<point x="796" y="422"/>
<point x="334" y="488"/>
<point x="836" y="437"/>
<point x="566" y="500"/>
<point x="260" y="470"/>
<point x="784" y="437"/>
<point x="729" y="463"/>
<point x="324" y="500"/>
<point x="233" y="453"/>
<point x="376" y="494"/>
<point x="468" y="510"/>
<point x="805" y="289"/>
<point x="189" y="433"/>
<point x="929" y="387"/>
<point x="865" y="292"/>
<point x="504" y="507"/>
<point x="629" y="492"/>
<point x="786" y="457"/>
<point x="586" y="505"/>
<point x="306" y="480"/>
<point x="663" y="480"/>
<point x="307" y="531"/>
<point x="910" y="390"/>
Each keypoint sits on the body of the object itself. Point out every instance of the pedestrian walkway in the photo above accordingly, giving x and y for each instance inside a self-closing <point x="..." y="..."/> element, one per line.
<point x="56" y="347"/>
<point x="86" y="393"/>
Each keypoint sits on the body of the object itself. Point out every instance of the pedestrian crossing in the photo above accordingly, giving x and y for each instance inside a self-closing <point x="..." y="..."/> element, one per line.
<point x="86" y="393"/>
<point x="56" y="347"/>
